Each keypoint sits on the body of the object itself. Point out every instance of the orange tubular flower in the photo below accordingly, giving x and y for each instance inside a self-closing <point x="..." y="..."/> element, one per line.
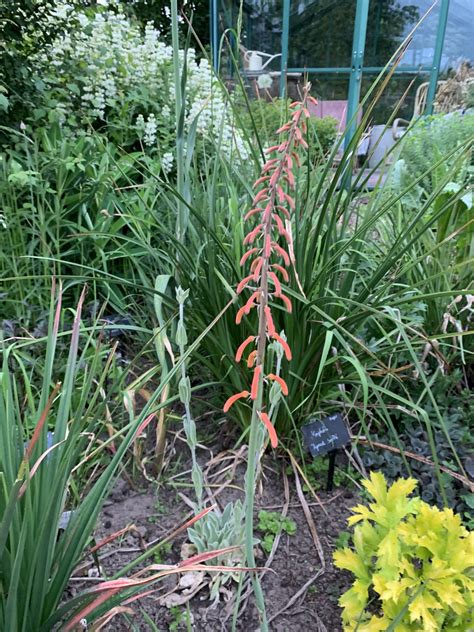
<point x="255" y="381"/>
<point x="284" y="344"/>
<point x="282" y="271"/>
<point x="243" y="346"/>
<point x="281" y="382"/>
<point x="233" y="398"/>
<point x="271" y="430"/>
<point x="270" y="325"/>
<point x="251" y="358"/>
<point x="248" y="254"/>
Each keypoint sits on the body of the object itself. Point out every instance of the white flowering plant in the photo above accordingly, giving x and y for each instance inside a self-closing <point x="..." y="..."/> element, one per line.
<point x="105" y="73"/>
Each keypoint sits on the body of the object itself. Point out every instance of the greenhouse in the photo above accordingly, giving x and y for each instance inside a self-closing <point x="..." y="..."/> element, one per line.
<point x="342" y="46"/>
<point x="236" y="315"/>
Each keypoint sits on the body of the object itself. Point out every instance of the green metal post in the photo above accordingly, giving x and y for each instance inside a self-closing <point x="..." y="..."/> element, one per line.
<point x="443" y="18"/>
<point x="285" y="32"/>
<point x="357" y="62"/>
<point x="213" y="22"/>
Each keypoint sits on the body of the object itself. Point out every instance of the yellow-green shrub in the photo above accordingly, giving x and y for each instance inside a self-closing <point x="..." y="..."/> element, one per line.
<point x="412" y="564"/>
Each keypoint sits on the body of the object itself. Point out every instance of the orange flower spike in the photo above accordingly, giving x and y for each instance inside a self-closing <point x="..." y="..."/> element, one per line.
<point x="242" y="347"/>
<point x="270" y="325"/>
<point x="255" y="381"/>
<point x="248" y="254"/>
<point x="270" y="428"/>
<point x="284" y="344"/>
<point x="281" y="382"/>
<point x="282" y="271"/>
<point x="251" y="358"/>
<point x="276" y="283"/>
<point x="231" y="401"/>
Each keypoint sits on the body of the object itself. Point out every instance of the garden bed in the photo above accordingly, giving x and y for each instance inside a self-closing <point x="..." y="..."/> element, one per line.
<point x="292" y="599"/>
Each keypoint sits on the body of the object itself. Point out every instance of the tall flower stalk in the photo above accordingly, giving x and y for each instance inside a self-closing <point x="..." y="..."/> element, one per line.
<point x="267" y="259"/>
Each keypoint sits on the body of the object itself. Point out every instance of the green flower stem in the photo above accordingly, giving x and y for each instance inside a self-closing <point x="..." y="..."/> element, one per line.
<point x="250" y="477"/>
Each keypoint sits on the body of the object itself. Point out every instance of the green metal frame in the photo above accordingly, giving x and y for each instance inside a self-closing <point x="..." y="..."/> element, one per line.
<point x="355" y="80"/>
<point x="356" y="70"/>
<point x="214" y="32"/>
<point x="440" y="35"/>
<point x="285" y="32"/>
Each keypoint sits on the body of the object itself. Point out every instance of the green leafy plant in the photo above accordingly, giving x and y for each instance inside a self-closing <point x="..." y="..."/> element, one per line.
<point x="412" y="564"/>
<point x="270" y="524"/>
<point x="114" y="76"/>
<point x="264" y="117"/>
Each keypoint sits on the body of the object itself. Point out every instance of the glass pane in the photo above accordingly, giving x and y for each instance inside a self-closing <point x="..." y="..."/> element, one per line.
<point x="393" y="93"/>
<point x="329" y="87"/>
<point x="459" y="40"/>
<point x="321" y="33"/>
<point x="261" y="25"/>
<point x="390" y="21"/>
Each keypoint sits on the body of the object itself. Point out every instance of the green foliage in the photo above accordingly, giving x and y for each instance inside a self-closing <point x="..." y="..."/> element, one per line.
<point x="270" y="524"/>
<point x="455" y="403"/>
<point x="26" y="27"/>
<point x="268" y="116"/>
<point x="415" y="559"/>
<point x="36" y="467"/>
<point x="158" y="12"/>
<point x="65" y="204"/>
<point x="162" y="553"/>
<point x="431" y="138"/>
<point x="316" y="471"/>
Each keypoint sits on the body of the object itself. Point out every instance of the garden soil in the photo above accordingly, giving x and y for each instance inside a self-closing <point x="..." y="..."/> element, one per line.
<point x="301" y="589"/>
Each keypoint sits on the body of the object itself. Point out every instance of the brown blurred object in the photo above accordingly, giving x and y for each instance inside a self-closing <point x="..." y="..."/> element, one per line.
<point x="453" y="93"/>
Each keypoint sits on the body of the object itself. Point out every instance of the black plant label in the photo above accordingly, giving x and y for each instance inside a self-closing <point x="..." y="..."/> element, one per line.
<point x="321" y="436"/>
